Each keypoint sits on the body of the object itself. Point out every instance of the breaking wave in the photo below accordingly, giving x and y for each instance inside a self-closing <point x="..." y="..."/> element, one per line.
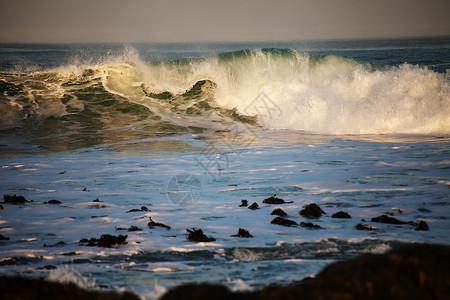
<point x="272" y="88"/>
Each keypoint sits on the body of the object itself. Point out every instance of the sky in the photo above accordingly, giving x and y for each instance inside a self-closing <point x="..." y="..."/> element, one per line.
<point x="65" y="21"/>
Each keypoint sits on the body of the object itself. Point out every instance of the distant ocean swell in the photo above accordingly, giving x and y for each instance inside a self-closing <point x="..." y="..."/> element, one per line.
<point x="314" y="94"/>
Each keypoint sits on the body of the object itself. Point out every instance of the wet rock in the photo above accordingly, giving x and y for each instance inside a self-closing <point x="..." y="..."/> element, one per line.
<point x="417" y="271"/>
<point x="283" y="222"/>
<point x="273" y="200"/>
<point x="3" y="238"/>
<point x="341" y="215"/>
<point x="153" y="224"/>
<point x="197" y="235"/>
<point x="143" y="208"/>
<point x="361" y="226"/>
<point x="106" y="241"/>
<point x="311" y="211"/>
<point x="132" y="228"/>
<point x="1" y="207"/>
<point x="421" y="226"/>
<point x="387" y="220"/>
<point x="97" y="200"/>
<point x="279" y="212"/>
<point x="53" y="202"/>
<point x="310" y="225"/>
<point x="254" y="206"/>
<point x="242" y="233"/>
<point x="13" y="199"/>
<point x="37" y="288"/>
<point x="244" y="203"/>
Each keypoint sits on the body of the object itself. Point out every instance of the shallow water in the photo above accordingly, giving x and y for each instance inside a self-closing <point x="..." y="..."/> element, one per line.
<point x="365" y="176"/>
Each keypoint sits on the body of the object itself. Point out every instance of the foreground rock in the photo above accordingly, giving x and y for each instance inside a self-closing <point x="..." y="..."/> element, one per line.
<point x="244" y="203"/>
<point x="311" y="211"/>
<point x="30" y="289"/>
<point x="254" y="206"/>
<point x="414" y="272"/>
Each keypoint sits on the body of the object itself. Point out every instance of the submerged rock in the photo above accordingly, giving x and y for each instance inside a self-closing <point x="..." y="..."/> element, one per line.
<point x="153" y="224"/>
<point x="341" y="215"/>
<point x="37" y="288"/>
<point x="197" y="235"/>
<point x="279" y="212"/>
<point x="311" y="211"/>
<point x="310" y="225"/>
<point x="273" y="200"/>
<point x="417" y="271"/>
<point x="387" y="220"/>
<point x="244" y="203"/>
<point x="13" y="199"/>
<point x="254" y="206"/>
<point x="283" y="222"/>
<point x="421" y="226"/>
<point x="242" y="233"/>
<point x="361" y="226"/>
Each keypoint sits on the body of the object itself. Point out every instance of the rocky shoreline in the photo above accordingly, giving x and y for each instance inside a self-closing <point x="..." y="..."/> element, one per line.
<point x="417" y="271"/>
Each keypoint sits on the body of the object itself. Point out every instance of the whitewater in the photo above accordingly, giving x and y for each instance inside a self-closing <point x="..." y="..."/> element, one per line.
<point x="189" y="131"/>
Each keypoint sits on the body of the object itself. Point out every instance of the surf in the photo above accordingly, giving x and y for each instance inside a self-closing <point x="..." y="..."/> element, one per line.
<point x="276" y="89"/>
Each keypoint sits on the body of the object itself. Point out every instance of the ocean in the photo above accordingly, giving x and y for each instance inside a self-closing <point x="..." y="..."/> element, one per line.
<point x="182" y="133"/>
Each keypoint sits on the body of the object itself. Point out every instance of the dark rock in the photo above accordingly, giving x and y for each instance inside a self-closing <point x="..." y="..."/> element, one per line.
<point x="254" y="206"/>
<point x="283" y="222"/>
<point x="310" y="225"/>
<point x="242" y="233"/>
<point x="106" y="241"/>
<point x="143" y="208"/>
<point x="13" y="199"/>
<point x="85" y="190"/>
<point x="1" y="207"/>
<point x="199" y="292"/>
<point x="279" y="212"/>
<point x="153" y="224"/>
<point x="311" y="211"/>
<point x="60" y="243"/>
<point x="387" y="220"/>
<point x="53" y="202"/>
<point x="416" y="271"/>
<point x="132" y="228"/>
<point x="3" y="238"/>
<point x="197" y="235"/>
<point x="96" y="200"/>
<point x="341" y="215"/>
<point x="244" y="203"/>
<point x="361" y="226"/>
<point x="273" y="200"/>
<point x="37" y="288"/>
<point x="421" y="226"/>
